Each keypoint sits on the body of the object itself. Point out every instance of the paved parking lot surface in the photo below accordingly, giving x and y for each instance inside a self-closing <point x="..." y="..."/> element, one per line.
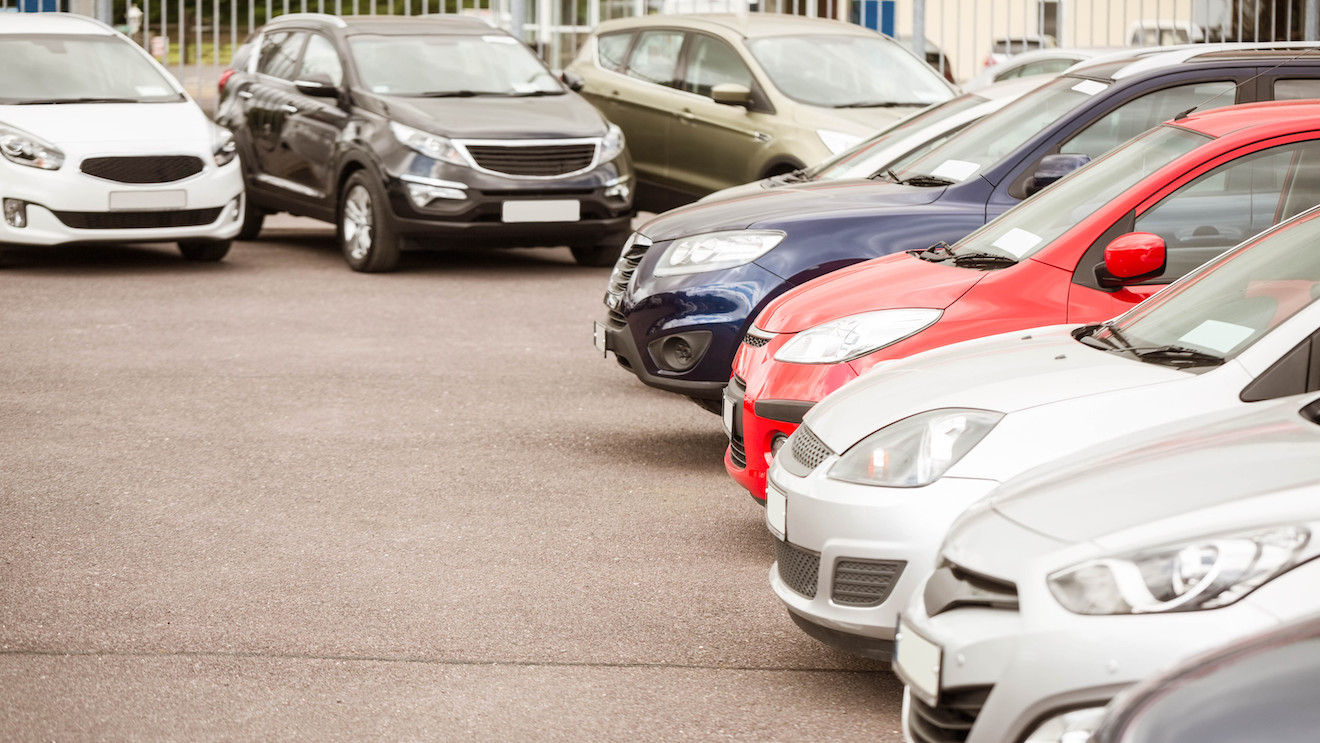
<point x="271" y="499"/>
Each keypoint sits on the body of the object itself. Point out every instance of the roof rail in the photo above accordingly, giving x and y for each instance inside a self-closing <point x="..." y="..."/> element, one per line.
<point x="325" y="17"/>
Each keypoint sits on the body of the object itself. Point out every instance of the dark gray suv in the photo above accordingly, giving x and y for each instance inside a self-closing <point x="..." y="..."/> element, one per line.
<point x="422" y="132"/>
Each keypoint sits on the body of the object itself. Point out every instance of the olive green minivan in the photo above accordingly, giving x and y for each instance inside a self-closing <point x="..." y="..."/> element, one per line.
<point x="709" y="101"/>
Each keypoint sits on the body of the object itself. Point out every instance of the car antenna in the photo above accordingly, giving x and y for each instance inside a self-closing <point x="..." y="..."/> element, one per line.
<point x="1183" y="115"/>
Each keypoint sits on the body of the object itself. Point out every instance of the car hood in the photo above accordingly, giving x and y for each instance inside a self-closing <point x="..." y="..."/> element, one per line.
<point x="485" y="117"/>
<point x="767" y="207"/>
<point x="1004" y="373"/>
<point x="875" y="118"/>
<point x="1167" y="472"/>
<point x="116" y="124"/>
<point x="888" y="282"/>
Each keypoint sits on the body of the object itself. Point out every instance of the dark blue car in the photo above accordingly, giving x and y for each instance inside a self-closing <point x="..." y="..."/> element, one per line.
<point x="691" y="281"/>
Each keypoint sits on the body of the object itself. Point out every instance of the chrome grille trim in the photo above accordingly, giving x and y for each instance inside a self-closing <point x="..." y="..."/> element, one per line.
<point x="624" y="268"/>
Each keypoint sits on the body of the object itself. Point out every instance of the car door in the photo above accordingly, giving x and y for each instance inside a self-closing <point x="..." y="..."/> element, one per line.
<point x="1235" y="197"/>
<point x="642" y="100"/>
<point x="710" y="142"/>
<point x="312" y="125"/>
<point x="267" y="103"/>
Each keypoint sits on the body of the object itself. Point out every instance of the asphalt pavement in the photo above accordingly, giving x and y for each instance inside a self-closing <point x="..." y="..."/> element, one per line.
<point x="272" y="499"/>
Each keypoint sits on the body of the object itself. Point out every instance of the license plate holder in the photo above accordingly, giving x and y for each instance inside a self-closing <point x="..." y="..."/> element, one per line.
<point x="917" y="662"/>
<point x="144" y="201"/>
<point x="598" y="339"/>
<point x="776" y="509"/>
<point x="562" y="210"/>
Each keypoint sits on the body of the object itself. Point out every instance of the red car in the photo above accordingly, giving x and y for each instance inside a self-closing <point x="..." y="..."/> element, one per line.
<point x="1084" y="250"/>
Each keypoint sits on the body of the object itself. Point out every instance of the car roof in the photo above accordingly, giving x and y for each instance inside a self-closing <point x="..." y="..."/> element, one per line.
<point x="744" y="25"/>
<point x="52" y="23"/>
<point x="1287" y="116"/>
<point x="389" y="24"/>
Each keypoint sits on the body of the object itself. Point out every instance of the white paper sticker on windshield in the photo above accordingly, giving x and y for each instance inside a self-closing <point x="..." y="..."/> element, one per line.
<point x="151" y="90"/>
<point x="958" y="170"/>
<point x="499" y="39"/>
<point x="1017" y="241"/>
<point x="1090" y="87"/>
<point x="1216" y="335"/>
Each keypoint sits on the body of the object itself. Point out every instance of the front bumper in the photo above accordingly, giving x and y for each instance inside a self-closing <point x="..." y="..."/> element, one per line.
<point x="1004" y="672"/>
<point x="850" y="555"/>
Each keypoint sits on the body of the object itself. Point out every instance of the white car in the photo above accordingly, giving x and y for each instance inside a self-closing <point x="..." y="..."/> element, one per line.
<point x="860" y="496"/>
<point x="1082" y="577"/>
<point x="98" y="143"/>
<point x="1047" y="61"/>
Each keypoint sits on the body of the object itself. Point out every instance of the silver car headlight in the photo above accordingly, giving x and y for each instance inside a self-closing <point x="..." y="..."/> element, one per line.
<point x="27" y="149"/>
<point x="716" y="250"/>
<point x="431" y="145"/>
<point x="1205" y="574"/>
<point x="837" y="142"/>
<point x="223" y="147"/>
<point x="915" y="451"/>
<point x="856" y="335"/>
<point x="611" y="146"/>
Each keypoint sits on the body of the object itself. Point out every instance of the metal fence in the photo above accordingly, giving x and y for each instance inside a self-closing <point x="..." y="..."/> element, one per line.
<point x="195" y="38"/>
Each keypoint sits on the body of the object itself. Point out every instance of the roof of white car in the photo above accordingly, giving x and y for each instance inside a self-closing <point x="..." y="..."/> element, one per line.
<point x="51" y="23"/>
<point x="1141" y="60"/>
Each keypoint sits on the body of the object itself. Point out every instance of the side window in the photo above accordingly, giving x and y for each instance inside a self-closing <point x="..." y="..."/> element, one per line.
<point x="610" y="50"/>
<point x="655" y="56"/>
<point x="712" y="62"/>
<point x="321" y="58"/>
<point x="1296" y="89"/>
<point x="1233" y="202"/>
<point x="1140" y="114"/>
<point x="279" y="54"/>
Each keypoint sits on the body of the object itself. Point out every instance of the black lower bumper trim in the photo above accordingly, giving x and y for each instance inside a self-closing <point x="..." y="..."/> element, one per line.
<point x="867" y="647"/>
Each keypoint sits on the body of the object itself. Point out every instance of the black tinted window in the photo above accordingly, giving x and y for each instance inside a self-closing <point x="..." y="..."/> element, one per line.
<point x="279" y="54"/>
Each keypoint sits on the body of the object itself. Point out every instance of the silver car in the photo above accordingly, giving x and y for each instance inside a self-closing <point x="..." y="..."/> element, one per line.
<point x="1081" y="577"/>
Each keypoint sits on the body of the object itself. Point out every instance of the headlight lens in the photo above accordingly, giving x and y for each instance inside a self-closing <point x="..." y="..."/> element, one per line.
<point x="915" y="451"/>
<point x="1075" y="726"/>
<point x="836" y="142"/>
<point x="223" y="147"/>
<point x="1205" y="574"/>
<point x="612" y="145"/>
<point x="27" y="149"/>
<point x="856" y="335"/>
<point x="431" y="145"/>
<point x="715" y="250"/>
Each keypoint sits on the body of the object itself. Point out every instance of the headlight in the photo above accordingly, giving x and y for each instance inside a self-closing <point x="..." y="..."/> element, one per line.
<point x="856" y="335"/>
<point x="715" y="250"/>
<point x="1206" y="574"/>
<point x="1074" y="726"/>
<point x="915" y="451"/>
<point x="26" y="149"/>
<point x="612" y="144"/>
<point x="837" y="142"/>
<point x="431" y="145"/>
<point x="223" y="147"/>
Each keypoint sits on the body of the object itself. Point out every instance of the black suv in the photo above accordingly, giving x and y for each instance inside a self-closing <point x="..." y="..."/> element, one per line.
<point x="421" y="132"/>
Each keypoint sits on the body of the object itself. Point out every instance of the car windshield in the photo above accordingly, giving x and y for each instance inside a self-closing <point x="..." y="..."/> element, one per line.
<point x="51" y="69"/>
<point x="848" y="71"/>
<point x="867" y="158"/>
<point x="444" y="66"/>
<point x="1042" y="219"/>
<point x="1231" y="302"/>
<point x="996" y="136"/>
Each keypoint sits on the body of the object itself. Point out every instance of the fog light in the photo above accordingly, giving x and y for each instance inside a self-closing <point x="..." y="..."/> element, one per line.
<point x="16" y="213"/>
<point x="1075" y="726"/>
<point x="423" y="191"/>
<point x="775" y="442"/>
<point x="236" y="209"/>
<point x="621" y="191"/>
<point x="681" y="351"/>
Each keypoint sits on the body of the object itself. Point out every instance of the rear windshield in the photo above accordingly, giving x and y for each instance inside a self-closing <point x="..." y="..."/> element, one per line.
<point x="53" y="69"/>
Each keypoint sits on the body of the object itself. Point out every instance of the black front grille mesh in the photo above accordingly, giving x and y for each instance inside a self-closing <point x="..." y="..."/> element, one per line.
<point x="864" y="582"/>
<point x="798" y="568"/>
<point x="143" y="169"/>
<point x="949" y="722"/>
<point x="807" y="450"/>
<point x="737" y="448"/>
<point x="534" y="160"/>
<point x="138" y="220"/>
<point x="755" y="341"/>
<point x="623" y="271"/>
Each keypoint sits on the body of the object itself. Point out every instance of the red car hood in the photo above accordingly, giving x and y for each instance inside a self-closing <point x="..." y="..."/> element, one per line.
<point x="888" y="282"/>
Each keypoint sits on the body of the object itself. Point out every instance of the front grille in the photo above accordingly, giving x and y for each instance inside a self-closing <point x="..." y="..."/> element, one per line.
<point x="950" y="586"/>
<point x="755" y="341"/>
<point x="737" y="449"/>
<point x="798" y="568"/>
<point x="805" y="452"/>
<point x="144" y="169"/>
<point x="632" y="253"/>
<point x="534" y="160"/>
<point x="864" y="582"/>
<point x="138" y="220"/>
<point x="951" y="720"/>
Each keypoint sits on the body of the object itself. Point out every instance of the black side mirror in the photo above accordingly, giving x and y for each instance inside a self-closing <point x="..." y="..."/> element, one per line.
<point x="1053" y="167"/>
<point x="573" y="80"/>
<point x="317" y="86"/>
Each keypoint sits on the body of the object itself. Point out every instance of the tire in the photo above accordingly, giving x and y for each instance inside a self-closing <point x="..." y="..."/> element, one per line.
<point x="253" y="218"/>
<point x="597" y="255"/>
<point x="365" y="227"/>
<point x="204" y="251"/>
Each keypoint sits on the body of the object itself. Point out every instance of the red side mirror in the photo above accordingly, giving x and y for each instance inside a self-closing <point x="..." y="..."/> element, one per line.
<point x="1132" y="258"/>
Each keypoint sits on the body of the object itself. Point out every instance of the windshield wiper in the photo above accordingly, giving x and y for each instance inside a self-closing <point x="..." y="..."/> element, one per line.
<point x="793" y="176"/>
<point x="937" y="253"/>
<point x="448" y="94"/>
<point x="880" y="104"/>
<point x="56" y="101"/>
<point x="1177" y="356"/>
<point x="889" y="175"/>
<point x="927" y="181"/>
<point x="533" y="93"/>
<point x="982" y="259"/>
